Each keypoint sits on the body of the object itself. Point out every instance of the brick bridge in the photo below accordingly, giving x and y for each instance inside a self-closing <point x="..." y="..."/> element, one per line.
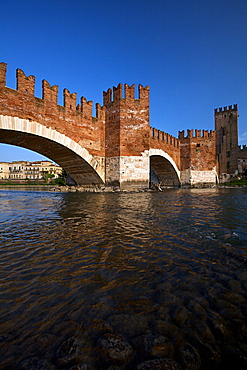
<point x="117" y="147"/>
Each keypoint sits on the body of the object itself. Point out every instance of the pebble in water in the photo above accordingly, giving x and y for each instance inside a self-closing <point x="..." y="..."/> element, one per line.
<point x="159" y="364"/>
<point x="34" y="363"/>
<point x="71" y="352"/>
<point x="115" y="349"/>
<point x="189" y="357"/>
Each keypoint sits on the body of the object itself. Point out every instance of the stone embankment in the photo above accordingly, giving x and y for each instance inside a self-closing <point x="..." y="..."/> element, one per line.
<point x="115" y="189"/>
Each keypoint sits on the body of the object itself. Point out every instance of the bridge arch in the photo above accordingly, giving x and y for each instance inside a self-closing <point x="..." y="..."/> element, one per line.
<point x="164" y="168"/>
<point x="83" y="167"/>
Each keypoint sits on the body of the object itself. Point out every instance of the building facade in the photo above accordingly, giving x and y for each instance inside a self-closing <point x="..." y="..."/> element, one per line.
<point x="33" y="171"/>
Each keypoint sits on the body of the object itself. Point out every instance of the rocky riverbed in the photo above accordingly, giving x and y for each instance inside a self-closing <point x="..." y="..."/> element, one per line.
<point x="199" y="324"/>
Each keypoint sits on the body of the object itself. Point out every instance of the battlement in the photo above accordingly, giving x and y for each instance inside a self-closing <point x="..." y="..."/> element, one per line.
<point x="86" y="107"/>
<point x="164" y="137"/>
<point x="3" y="70"/>
<point x="228" y="109"/>
<point x="26" y="85"/>
<point x="116" y="94"/>
<point x="49" y="93"/>
<point x="196" y="134"/>
<point x="243" y="148"/>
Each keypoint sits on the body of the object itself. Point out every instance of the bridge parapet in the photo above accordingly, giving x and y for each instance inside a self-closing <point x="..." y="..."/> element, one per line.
<point x="191" y="133"/>
<point x="167" y="143"/>
<point x="74" y="121"/>
<point x="164" y="137"/>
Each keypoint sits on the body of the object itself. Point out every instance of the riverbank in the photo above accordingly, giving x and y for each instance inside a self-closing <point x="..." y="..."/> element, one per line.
<point x="113" y="189"/>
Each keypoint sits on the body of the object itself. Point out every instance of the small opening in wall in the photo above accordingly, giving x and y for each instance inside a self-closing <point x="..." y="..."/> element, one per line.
<point x="198" y="145"/>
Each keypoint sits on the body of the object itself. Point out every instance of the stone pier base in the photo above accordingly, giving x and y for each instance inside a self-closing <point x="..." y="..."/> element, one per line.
<point x="197" y="178"/>
<point x="128" y="173"/>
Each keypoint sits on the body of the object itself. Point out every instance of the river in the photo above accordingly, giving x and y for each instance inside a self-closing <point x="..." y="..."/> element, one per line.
<point x="123" y="280"/>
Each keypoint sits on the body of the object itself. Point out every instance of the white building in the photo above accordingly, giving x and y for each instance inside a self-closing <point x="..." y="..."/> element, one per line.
<point x="23" y="170"/>
<point x="4" y="170"/>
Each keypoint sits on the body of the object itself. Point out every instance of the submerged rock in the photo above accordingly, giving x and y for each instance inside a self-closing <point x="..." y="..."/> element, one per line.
<point x="34" y="363"/>
<point x="115" y="349"/>
<point x="159" y="364"/>
<point x="70" y="352"/>
<point x="189" y="357"/>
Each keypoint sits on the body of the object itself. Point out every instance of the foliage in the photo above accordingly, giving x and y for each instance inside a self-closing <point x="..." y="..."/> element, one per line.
<point x="59" y="181"/>
<point x="241" y="182"/>
<point x="47" y="176"/>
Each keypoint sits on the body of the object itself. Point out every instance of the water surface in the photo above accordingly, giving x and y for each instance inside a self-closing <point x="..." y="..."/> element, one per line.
<point x="166" y="272"/>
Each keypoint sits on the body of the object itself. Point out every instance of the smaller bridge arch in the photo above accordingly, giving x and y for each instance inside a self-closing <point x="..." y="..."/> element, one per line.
<point x="83" y="167"/>
<point x="164" y="168"/>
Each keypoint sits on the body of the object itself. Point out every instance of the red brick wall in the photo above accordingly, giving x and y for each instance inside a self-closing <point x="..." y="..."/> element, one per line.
<point x="198" y="151"/>
<point x="71" y="120"/>
<point x="127" y="121"/>
<point x="167" y="143"/>
<point x="226" y="126"/>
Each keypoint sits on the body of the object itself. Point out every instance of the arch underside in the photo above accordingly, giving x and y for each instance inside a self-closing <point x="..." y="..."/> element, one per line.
<point x="79" y="169"/>
<point x="165" y="174"/>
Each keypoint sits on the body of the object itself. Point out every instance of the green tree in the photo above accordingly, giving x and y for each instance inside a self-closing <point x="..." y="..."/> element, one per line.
<point x="61" y="180"/>
<point x="47" y="176"/>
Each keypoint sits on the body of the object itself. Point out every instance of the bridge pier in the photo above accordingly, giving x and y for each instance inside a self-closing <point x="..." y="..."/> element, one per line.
<point x="128" y="172"/>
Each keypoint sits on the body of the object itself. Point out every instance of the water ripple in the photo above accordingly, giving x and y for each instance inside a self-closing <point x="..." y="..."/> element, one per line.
<point x="136" y="265"/>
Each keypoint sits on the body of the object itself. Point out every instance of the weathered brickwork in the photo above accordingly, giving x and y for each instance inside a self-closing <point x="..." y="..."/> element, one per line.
<point x="127" y="136"/>
<point x="226" y="126"/>
<point x="168" y="143"/>
<point x="198" y="157"/>
<point x="74" y="121"/>
<point x="117" y="147"/>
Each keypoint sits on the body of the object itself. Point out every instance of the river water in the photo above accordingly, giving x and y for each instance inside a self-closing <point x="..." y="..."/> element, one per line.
<point x="123" y="280"/>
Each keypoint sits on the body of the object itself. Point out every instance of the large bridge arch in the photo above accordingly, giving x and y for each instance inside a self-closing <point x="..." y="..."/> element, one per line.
<point x="77" y="161"/>
<point x="164" y="168"/>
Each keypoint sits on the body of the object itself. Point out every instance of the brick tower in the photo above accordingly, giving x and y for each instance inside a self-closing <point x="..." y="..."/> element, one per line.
<point x="226" y="126"/>
<point x="127" y="133"/>
<point x="198" y="163"/>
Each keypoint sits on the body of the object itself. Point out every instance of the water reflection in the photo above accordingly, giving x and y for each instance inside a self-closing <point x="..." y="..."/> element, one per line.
<point x="145" y="266"/>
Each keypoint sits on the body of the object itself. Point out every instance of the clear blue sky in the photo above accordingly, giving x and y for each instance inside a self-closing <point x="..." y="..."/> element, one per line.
<point x="192" y="53"/>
